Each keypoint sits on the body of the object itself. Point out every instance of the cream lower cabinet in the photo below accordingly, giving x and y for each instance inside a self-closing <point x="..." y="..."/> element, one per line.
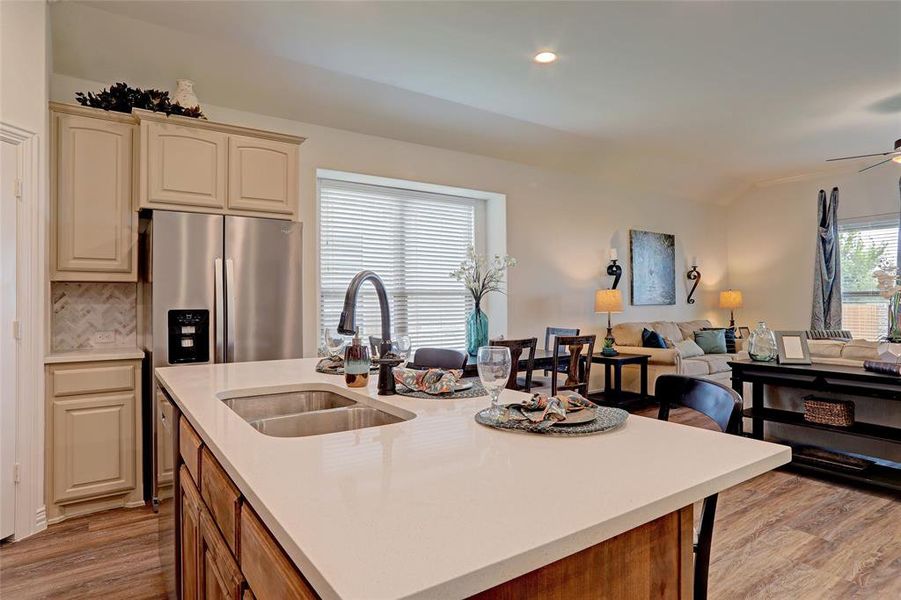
<point x="93" y="437"/>
<point x="93" y="227"/>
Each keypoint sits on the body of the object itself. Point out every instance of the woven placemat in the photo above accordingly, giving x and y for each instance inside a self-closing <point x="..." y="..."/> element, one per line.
<point x="340" y="370"/>
<point x="607" y="419"/>
<point x="476" y="391"/>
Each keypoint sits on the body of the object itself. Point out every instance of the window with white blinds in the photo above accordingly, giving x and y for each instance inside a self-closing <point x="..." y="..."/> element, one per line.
<point x="867" y="244"/>
<point x="412" y="240"/>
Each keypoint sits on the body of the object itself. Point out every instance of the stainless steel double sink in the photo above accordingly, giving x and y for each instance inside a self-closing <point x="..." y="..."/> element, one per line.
<point x="307" y="412"/>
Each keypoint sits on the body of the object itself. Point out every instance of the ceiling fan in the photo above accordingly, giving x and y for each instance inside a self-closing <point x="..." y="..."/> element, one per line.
<point x="894" y="156"/>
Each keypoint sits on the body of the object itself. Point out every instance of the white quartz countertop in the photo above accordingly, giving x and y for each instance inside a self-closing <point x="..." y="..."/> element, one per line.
<point x="94" y="354"/>
<point x="439" y="506"/>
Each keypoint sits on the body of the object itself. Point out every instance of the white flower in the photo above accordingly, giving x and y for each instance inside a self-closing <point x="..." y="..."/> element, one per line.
<point x="481" y="275"/>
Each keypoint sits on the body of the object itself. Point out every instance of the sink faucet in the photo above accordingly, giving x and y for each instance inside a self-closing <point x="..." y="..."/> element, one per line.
<point x="347" y="325"/>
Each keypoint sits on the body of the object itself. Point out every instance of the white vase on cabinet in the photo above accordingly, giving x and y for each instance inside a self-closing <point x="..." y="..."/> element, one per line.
<point x="184" y="94"/>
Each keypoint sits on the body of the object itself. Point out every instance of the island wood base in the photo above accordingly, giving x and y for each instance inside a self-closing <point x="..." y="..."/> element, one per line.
<point x="653" y="560"/>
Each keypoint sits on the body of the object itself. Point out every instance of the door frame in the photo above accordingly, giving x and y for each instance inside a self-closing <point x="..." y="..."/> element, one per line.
<point x="31" y="287"/>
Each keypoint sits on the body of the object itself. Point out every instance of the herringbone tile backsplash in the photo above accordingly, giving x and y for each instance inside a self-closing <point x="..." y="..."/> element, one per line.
<point x="80" y="310"/>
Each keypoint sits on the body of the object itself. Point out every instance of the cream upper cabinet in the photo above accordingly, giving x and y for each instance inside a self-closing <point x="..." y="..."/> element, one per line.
<point x="93" y="226"/>
<point x="203" y="166"/>
<point x="183" y="166"/>
<point x="262" y="175"/>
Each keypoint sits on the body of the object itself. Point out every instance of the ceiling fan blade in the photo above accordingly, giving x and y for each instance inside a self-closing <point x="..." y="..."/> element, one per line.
<point x="864" y="155"/>
<point x="876" y="165"/>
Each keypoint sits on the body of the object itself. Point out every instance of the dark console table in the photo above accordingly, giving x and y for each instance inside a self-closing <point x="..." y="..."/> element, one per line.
<point x="854" y="381"/>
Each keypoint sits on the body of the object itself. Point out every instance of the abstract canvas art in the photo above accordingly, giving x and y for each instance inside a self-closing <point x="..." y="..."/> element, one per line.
<point x="653" y="257"/>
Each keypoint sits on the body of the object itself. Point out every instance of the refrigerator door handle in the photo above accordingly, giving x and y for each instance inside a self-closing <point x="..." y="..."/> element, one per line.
<point x="230" y="310"/>
<point x="219" y="312"/>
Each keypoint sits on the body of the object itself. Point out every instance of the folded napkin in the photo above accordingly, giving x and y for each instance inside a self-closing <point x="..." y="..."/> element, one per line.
<point x="553" y="409"/>
<point x="433" y="381"/>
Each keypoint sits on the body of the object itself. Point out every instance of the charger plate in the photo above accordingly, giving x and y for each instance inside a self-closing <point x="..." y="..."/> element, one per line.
<point x="606" y="419"/>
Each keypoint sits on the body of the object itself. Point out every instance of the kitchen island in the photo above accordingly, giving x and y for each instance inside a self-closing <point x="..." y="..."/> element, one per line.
<point x="437" y="506"/>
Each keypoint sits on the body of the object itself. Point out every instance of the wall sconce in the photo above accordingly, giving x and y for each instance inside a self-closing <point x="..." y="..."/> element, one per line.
<point x="613" y="269"/>
<point x="693" y="275"/>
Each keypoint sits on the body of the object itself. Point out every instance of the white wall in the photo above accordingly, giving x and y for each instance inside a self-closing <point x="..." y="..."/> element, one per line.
<point x="772" y="243"/>
<point x="23" y="64"/>
<point x="559" y="227"/>
<point x="24" y="69"/>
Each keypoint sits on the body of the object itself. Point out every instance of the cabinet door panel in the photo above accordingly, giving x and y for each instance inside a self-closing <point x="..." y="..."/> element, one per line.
<point x="93" y="223"/>
<point x="165" y="460"/>
<point x="93" y="446"/>
<point x="184" y="167"/>
<point x="268" y="570"/>
<point x="262" y="175"/>
<point x="219" y="574"/>
<point x="190" y="537"/>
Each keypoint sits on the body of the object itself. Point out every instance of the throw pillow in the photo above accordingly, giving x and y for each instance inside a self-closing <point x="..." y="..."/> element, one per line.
<point x="689" y="349"/>
<point x="652" y="339"/>
<point x="711" y="341"/>
<point x="731" y="346"/>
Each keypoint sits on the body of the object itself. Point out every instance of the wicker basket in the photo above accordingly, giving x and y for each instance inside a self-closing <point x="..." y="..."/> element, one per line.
<point x="839" y="413"/>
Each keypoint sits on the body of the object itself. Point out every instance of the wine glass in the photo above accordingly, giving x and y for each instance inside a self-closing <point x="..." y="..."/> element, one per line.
<point x="334" y="343"/>
<point x="494" y="366"/>
<point x="402" y="345"/>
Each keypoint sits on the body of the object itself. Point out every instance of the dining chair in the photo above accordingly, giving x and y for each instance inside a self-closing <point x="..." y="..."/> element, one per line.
<point x="438" y="358"/>
<point x="516" y="349"/>
<point x="578" y="371"/>
<point x="549" y="334"/>
<point x="722" y="405"/>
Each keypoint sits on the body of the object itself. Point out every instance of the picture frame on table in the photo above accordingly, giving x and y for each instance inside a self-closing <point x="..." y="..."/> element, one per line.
<point x="744" y="332"/>
<point x="792" y="348"/>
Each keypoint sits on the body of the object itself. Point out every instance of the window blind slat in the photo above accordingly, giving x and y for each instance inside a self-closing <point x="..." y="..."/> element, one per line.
<point x="413" y="240"/>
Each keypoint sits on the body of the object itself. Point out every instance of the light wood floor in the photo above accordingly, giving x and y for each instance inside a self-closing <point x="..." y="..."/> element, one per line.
<point x="779" y="536"/>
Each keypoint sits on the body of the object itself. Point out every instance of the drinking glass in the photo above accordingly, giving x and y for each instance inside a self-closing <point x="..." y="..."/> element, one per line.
<point x="334" y="343"/>
<point x="403" y="345"/>
<point x="494" y="366"/>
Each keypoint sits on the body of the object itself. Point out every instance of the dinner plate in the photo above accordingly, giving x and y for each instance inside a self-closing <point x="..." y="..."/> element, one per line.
<point x="462" y="386"/>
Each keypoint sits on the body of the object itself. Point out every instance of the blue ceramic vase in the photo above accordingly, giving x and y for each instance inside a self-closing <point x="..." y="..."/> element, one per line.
<point x="476" y="331"/>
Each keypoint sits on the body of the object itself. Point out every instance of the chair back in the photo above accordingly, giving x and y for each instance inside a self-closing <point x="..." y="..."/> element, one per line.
<point x="439" y="358"/>
<point x="552" y="332"/>
<point x="516" y="349"/>
<point x="720" y="403"/>
<point x="578" y="371"/>
<point x="723" y="405"/>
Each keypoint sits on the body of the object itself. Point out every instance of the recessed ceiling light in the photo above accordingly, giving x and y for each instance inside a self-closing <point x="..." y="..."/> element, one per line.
<point x="545" y="57"/>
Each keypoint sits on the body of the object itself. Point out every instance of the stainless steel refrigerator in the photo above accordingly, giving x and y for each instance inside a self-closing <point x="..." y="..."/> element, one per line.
<point x="214" y="289"/>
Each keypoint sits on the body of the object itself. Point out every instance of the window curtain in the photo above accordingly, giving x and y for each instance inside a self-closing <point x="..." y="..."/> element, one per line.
<point x="827" y="277"/>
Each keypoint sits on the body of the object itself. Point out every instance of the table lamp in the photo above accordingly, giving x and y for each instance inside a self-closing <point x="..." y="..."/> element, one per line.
<point x="731" y="299"/>
<point x="608" y="301"/>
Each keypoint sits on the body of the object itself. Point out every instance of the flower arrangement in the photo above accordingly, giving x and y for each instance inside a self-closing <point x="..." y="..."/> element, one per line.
<point x="889" y="284"/>
<point x="482" y="275"/>
<point x="120" y="97"/>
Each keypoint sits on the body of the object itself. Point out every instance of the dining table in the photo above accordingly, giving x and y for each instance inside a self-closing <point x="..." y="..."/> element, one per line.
<point x="544" y="359"/>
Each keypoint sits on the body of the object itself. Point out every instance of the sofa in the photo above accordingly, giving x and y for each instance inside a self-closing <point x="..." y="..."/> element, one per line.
<point x="664" y="361"/>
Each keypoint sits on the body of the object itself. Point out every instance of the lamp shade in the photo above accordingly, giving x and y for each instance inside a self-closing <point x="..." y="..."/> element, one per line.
<point x="730" y="299"/>
<point x="608" y="301"/>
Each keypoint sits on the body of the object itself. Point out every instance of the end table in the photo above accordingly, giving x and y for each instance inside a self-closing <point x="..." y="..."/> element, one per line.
<point x="613" y="386"/>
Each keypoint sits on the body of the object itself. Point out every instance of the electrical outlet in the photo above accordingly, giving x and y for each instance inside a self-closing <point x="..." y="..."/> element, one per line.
<point x="104" y="337"/>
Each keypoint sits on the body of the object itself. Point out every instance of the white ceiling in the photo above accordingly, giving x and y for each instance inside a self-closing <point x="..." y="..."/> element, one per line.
<point x="697" y="99"/>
